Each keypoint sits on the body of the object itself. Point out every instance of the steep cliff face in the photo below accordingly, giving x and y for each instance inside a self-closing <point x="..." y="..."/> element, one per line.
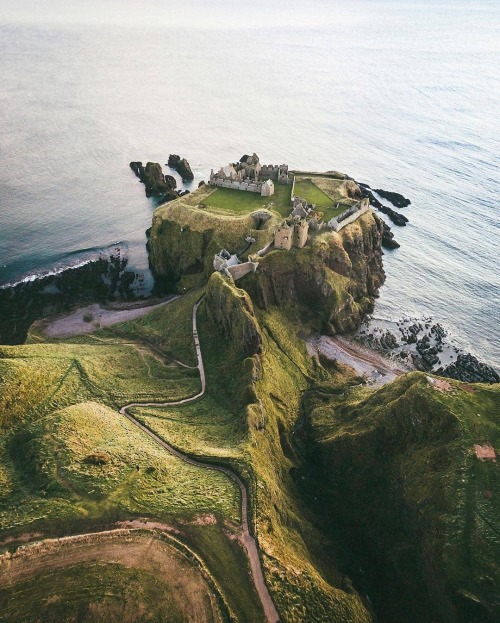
<point x="185" y="237"/>
<point x="337" y="275"/>
<point x="231" y="310"/>
<point x="256" y="364"/>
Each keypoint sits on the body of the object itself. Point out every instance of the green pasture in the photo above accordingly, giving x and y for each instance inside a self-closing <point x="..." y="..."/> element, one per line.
<point x="239" y="201"/>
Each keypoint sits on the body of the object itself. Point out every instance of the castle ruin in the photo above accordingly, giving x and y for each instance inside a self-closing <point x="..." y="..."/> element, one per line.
<point x="250" y="176"/>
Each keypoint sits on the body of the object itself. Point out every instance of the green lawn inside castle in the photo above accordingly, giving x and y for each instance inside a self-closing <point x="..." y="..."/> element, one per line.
<point x="339" y="476"/>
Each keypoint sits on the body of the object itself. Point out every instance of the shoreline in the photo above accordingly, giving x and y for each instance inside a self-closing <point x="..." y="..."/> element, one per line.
<point x="74" y="323"/>
<point x="366" y="362"/>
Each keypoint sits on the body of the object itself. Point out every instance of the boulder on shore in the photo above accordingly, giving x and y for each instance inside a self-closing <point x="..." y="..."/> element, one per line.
<point x="469" y="369"/>
<point x="181" y="165"/>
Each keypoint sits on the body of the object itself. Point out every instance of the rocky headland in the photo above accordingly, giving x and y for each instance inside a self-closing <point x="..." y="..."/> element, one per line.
<point x="363" y="502"/>
<point x="338" y="274"/>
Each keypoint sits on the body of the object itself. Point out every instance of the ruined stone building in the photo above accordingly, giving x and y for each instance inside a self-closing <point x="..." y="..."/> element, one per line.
<point x="231" y="266"/>
<point x="300" y="233"/>
<point x="249" y="175"/>
<point x="283" y="236"/>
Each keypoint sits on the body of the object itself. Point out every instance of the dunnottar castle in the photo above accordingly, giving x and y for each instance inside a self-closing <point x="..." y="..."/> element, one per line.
<point x="249" y="175"/>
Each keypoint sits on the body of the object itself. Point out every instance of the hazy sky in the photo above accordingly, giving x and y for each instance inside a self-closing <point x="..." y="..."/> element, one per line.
<point x="168" y="12"/>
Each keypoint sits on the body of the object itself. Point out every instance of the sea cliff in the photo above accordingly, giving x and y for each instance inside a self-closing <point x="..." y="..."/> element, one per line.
<point x="337" y="274"/>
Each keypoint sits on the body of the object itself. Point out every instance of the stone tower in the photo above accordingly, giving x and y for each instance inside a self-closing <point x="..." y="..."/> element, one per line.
<point x="284" y="236"/>
<point x="300" y="233"/>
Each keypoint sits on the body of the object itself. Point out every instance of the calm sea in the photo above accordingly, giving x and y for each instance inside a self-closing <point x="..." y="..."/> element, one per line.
<point x="402" y="95"/>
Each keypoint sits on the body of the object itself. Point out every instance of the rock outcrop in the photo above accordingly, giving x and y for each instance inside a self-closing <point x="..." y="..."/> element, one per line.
<point x="396" y="218"/>
<point x="184" y="238"/>
<point x="181" y="165"/>
<point x="337" y="275"/>
<point x="231" y="311"/>
<point x="395" y="198"/>
<point x="388" y="241"/>
<point x="156" y="183"/>
<point x="468" y="368"/>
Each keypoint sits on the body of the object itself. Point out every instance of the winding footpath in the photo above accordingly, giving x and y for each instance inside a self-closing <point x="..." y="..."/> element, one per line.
<point x="247" y="539"/>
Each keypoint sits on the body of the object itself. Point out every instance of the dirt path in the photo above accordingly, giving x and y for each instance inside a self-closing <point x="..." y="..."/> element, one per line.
<point x="74" y="323"/>
<point x="247" y="539"/>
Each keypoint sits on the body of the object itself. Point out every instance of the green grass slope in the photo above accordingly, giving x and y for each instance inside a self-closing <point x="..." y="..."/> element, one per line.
<point x="70" y="462"/>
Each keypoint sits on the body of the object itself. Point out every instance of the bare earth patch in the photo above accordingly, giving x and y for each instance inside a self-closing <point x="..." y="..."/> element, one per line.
<point x="440" y="384"/>
<point x="485" y="452"/>
<point x="365" y="362"/>
<point x="78" y="323"/>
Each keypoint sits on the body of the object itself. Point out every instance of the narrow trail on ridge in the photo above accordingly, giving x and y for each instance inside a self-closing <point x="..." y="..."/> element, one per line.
<point x="247" y="539"/>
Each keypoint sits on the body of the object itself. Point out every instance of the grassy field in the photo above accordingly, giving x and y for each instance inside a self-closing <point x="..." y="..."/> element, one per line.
<point x="134" y="578"/>
<point x="308" y="190"/>
<point x="206" y="428"/>
<point x="70" y="461"/>
<point x="239" y="201"/>
<point x="86" y="463"/>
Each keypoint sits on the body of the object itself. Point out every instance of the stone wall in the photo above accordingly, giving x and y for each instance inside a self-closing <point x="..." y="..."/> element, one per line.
<point x="252" y="187"/>
<point x="350" y="215"/>
<point x="240" y="270"/>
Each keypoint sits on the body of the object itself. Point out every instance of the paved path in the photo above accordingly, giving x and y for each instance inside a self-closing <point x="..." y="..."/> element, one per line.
<point x="248" y="540"/>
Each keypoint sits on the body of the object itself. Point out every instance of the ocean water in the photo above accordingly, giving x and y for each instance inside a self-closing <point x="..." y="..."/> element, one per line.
<point x="401" y="94"/>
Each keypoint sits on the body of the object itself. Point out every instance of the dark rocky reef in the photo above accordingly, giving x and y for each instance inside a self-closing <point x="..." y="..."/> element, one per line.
<point x="427" y="346"/>
<point x="396" y="218"/>
<point x="395" y="198"/>
<point x="181" y="165"/>
<point x="468" y="368"/>
<point x="156" y="184"/>
<point x="388" y="241"/>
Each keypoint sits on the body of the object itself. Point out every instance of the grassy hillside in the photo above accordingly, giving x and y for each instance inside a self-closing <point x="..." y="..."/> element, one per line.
<point x="70" y="462"/>
<point x="404" y="481"/>
<point x="339" y="477"/>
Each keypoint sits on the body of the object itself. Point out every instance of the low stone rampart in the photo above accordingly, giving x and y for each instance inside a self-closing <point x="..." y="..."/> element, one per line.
<point x="350" y="215"/>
